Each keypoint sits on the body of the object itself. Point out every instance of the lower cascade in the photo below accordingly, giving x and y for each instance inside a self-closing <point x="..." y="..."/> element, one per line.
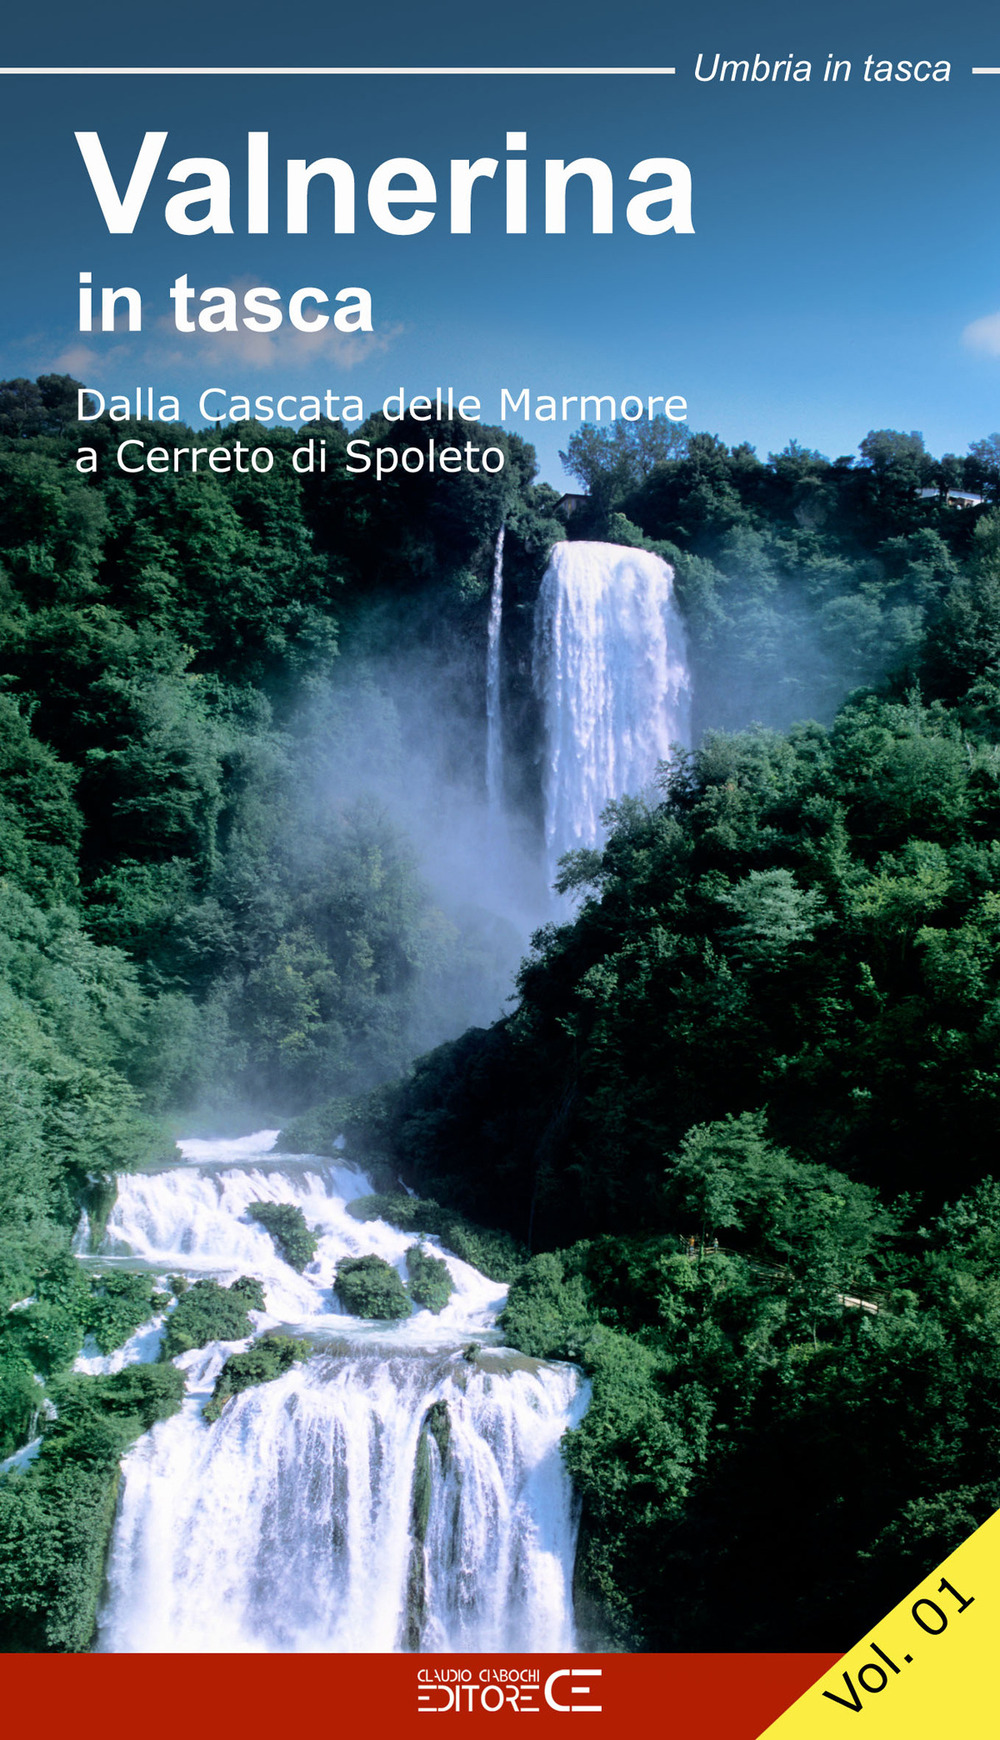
<point x="401" y="1489"/>
<point x="610" y="671"/>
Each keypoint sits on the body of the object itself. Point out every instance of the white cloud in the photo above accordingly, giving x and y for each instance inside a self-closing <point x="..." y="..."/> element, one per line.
<point x="260" y="350"/>
<point x="83" y="360"/>
<point x="160" y="349"/>
<point x="984" y="335"/>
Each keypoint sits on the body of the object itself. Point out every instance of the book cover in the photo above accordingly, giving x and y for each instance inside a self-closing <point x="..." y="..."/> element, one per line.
<point x="500" y="538"/>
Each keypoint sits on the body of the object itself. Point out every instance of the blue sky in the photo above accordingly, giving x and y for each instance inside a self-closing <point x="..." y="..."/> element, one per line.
<point x="844" y="273"/>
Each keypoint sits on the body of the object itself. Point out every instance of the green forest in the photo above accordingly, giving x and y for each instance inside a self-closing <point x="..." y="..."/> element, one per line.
<point x="737" y="1128"/>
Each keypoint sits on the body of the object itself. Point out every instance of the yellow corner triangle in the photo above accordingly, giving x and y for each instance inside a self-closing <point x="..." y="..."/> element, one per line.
<point x="928" y="1669"/>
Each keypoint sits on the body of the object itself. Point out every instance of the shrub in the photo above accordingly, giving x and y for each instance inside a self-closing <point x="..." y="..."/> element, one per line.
<point x="20" y="1398"/>
<point x="54" y="1529"/>
<point x="430" y="1283"/>
<point x="360" y="1120"/>
<point x="496" y="1254"/>
<point x="208" y="1312"/>
<point x="548" y="1311"/>
<point x="45" y="1335"/>
<point x="287" y="1226"/>
<point x="268" y="1358"/>
<point x="56" y="1517"/>
<point x="409" y="1213"/>
<point x="370" y="1287"/>
<point x="100" y="1416"/>
<point x="120" y="1303"/>
<point x="316" y="1131"/>
<point x="251" y="1291"/>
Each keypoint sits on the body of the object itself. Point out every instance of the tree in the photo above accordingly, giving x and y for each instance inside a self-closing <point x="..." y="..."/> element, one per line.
<point x="982" y="468"/>
<point x="42" y="407"/>
<point x="614" y="460"/>
<point x="899" y="463"/>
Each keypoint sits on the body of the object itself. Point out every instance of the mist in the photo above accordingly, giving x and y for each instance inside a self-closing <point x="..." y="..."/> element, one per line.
<point x="393" y="746"/>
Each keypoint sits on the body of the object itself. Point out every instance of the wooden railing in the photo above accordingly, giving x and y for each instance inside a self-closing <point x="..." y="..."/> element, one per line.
<point x="852" y="1298"/>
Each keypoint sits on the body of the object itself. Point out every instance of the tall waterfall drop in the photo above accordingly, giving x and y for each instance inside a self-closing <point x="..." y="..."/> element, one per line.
<point x="494" y="717"/>
<point x="401" y="1488"/>
<point x="610" y="670"/>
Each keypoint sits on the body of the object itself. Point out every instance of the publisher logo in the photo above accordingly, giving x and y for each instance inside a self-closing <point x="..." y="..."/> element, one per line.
<point x="569" y="1691"/>
<point x="578" y="1691"/>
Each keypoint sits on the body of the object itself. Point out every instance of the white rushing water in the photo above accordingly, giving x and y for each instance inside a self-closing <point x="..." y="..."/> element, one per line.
<point x="390" y="1492"/>
<point x="610" y="670"/>
<point x="494" y="715"/>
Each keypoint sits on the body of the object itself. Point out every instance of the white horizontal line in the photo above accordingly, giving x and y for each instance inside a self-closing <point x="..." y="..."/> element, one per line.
<point x="986" y="69"/>
<point x="335" y="71"/>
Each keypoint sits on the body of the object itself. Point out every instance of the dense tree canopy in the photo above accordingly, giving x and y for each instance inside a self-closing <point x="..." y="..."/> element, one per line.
<point x="744" y="1112"/>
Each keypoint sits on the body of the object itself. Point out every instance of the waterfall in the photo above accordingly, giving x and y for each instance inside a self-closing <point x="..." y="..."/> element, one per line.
<point x="494" y="718"/>
<point x="610" y="670"/>
<point x="290" y="1525"/>
<point x="399" y="1489"/>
